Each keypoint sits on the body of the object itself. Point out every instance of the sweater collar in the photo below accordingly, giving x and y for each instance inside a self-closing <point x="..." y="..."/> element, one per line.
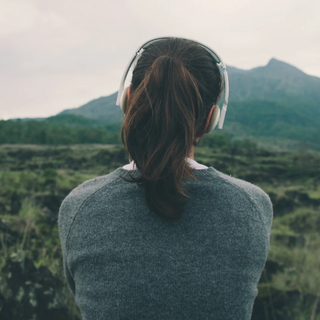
<point x="192" y="163"/>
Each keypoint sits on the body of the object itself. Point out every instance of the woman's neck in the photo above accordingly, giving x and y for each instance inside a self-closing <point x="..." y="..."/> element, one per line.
<point x="191" y="155"/>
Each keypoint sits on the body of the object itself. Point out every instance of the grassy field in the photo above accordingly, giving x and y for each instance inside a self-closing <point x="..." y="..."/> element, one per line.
<point x="34" y="180"/>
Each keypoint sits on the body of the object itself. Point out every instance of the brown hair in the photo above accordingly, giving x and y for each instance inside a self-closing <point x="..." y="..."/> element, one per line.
<point x="174" y="85"/>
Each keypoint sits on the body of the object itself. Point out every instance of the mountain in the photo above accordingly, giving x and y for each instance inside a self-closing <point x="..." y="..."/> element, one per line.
<point x="101" y="109"/>
<point x="275" y="101"/>
<point x="276" y="80"/>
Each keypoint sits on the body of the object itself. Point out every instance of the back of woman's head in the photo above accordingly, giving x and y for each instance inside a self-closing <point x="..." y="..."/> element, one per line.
<point x="174" y="85"/>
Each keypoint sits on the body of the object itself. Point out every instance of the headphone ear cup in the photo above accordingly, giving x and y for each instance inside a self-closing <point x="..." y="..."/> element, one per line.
<point x="124" y="100"/>
<point x="214" y="119"/>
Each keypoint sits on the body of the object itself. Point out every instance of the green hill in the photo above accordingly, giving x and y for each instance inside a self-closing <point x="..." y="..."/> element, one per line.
<point x="277" y="100"/>
<point x="274" y="104"/>
<point x="274" y="101"/>
<point x="101" y="109"/>
<point x="77" y="120"/>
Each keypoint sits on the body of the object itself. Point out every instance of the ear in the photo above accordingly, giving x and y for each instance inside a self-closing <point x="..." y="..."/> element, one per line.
<point x="129" y="91"/>
<point x="128" y="97"/>
<point x="212" y="119"/>
<point x="124" y="99"/>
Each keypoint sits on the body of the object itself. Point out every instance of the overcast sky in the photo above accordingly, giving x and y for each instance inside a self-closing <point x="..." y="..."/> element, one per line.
<point x="60" y="54"/>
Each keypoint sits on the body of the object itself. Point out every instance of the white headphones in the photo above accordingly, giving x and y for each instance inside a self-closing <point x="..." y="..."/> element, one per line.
<point x="216" y="115"/>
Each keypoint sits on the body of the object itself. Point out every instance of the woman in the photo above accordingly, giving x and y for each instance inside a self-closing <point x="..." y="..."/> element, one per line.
<point x="181" y="240"/>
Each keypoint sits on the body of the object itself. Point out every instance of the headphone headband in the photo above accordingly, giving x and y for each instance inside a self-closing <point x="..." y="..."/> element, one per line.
<point x="214" y="55"/>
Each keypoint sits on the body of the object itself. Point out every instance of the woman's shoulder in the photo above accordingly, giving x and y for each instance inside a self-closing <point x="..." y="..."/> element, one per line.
<point x="79" y="196"/>
<point x="89" y="187"/>
<point x="252" y="189"/>
<point x="259" y="198"/>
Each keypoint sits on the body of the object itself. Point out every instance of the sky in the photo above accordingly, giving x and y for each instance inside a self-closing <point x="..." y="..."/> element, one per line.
<point x="60" y="54"/>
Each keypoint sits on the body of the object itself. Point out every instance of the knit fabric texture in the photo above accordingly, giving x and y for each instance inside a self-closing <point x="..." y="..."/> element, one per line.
<point x="121" y="261"/>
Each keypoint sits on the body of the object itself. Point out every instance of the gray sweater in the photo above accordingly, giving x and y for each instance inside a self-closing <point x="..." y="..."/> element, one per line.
<point x="123" y="262"/>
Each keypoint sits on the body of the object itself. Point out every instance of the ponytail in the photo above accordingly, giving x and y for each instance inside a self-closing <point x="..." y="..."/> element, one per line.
<point x="159" y="129"/>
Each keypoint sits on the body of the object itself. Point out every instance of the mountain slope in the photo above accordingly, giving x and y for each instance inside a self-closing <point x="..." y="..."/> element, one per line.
<point x="276" y="100"/>
<point x="101" y="109"/>
<point x="276" y="80"/>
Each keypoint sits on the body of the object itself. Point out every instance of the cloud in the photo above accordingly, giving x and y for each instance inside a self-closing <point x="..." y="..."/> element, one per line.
<point x="58" y="54"/>
<point x="21" y="17"/>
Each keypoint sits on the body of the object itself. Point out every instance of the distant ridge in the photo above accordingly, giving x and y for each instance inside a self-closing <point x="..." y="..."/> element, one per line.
<point x="276" y="100"/>
<point x="26" y="119"/>
<point x="275" y="64"/>
<point x="101" y="109"/>
<point x="276" y="80"/>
